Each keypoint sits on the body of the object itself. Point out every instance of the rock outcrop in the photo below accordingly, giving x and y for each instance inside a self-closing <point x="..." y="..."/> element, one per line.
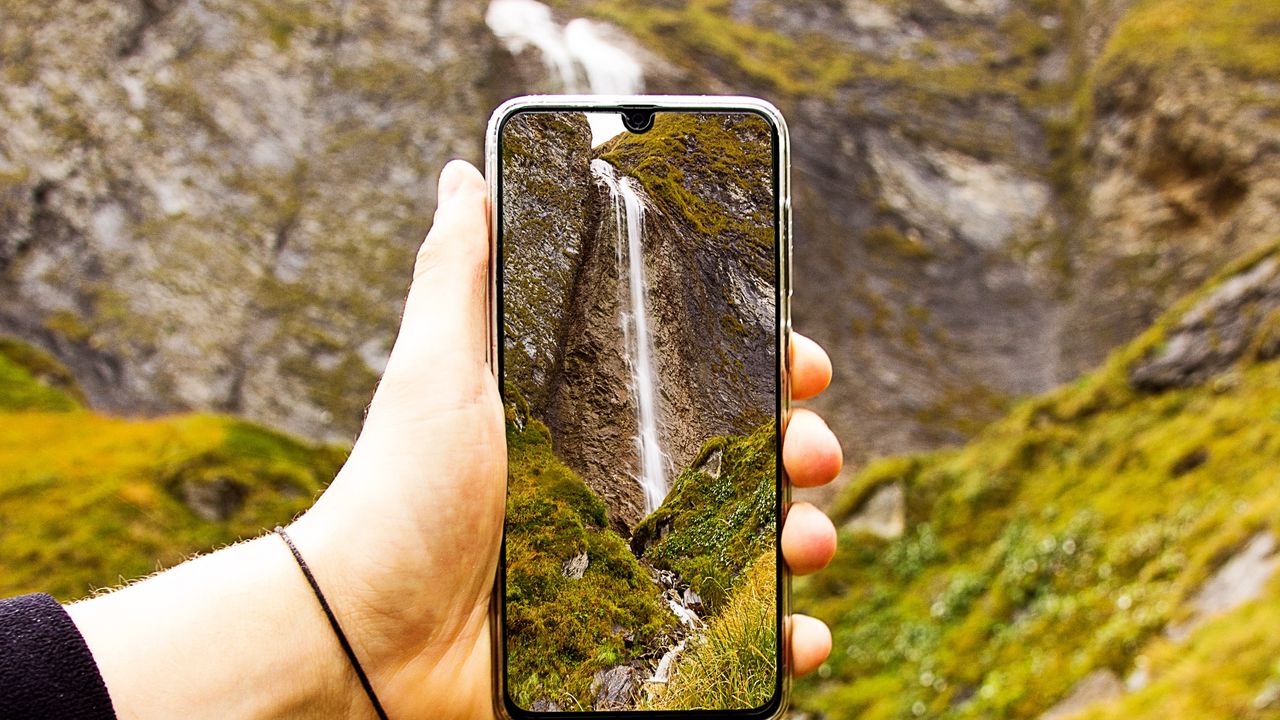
<point x="215" y="205"/>
<point x="548" y="212"/>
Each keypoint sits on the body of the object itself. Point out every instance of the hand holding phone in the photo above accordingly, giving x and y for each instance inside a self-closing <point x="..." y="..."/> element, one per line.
<point x="641" y="337"/>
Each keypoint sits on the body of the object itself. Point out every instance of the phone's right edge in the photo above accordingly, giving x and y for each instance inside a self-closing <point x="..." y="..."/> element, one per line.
<point x="782" y="213"/>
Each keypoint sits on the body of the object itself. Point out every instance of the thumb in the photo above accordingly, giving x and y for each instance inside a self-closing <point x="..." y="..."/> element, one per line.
<point x="439" y="354"/>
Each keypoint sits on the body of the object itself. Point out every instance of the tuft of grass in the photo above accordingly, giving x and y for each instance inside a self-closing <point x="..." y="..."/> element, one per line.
<point x="712" y="527"/>
<point x="733" y="665"/>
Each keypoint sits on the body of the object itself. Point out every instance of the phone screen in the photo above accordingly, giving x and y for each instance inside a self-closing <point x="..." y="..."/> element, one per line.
<point x="639" y="295"/>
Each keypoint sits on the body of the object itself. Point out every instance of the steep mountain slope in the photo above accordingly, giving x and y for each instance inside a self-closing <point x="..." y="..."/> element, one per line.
<point x="1120" y="527"/>
<point x="211" y="205"/>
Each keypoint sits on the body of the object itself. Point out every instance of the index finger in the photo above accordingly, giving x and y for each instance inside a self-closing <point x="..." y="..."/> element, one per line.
<point x="810" y="368"/>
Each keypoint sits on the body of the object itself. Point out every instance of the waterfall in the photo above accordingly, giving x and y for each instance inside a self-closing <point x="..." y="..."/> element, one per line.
<point x="578" y="55"/>
<point x="628" y="213"/>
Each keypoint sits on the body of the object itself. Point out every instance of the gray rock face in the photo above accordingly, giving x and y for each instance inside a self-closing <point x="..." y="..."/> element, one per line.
<point x="590" y="410"/>
<point x="884" y="514"/>
<point x="208" y="205"/>
<point x="1184" y="176"/>
<point x="1240" y="315"/>
<point x="615" y="688"/>
<point x="546" y="213"/>
<point x="576" y="566"/>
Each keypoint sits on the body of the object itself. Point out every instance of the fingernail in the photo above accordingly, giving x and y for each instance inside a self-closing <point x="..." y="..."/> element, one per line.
<point x="450" y="181"/>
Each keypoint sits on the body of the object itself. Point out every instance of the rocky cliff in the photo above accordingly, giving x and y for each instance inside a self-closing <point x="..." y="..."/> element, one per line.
<point x="707" y="245"/>
<point x="550" y="210"/>
<point x="211" y="204"/>
<point x="215" y="204"/>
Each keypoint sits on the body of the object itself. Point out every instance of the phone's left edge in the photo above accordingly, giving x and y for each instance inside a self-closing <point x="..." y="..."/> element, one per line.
<point x="497" y="621"/>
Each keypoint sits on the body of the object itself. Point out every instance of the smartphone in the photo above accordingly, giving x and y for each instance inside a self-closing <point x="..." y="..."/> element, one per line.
<point x="640" y="335"/>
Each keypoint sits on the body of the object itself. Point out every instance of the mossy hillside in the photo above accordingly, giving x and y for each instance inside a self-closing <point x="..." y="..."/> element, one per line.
<point x="88" y="502"/>
<point x="1060" y="541"/>
<point x="733" y="664"/>
<point x="31" y="379"/>
<point x="687" y="156"/>
<point x="1239" y="36"/>
<point x="562" y="630"/>
<point x="1227" y="670"/>
<point x="713" y="525"/>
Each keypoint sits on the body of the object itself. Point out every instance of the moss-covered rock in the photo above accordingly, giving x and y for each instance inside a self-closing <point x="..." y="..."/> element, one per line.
<point x="31" y="379"/>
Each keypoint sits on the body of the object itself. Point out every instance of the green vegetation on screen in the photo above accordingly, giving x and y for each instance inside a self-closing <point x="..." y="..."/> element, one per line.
<point x="562" y="630"/>
<point x="717" y="520"/>
<point x="734" y="663"/>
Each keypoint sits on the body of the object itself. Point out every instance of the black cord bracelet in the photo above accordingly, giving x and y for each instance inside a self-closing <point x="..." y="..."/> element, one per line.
<point x="333" y="622"/>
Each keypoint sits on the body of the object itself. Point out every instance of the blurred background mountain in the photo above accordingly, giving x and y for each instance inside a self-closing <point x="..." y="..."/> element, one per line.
<point x="212" y="207"/>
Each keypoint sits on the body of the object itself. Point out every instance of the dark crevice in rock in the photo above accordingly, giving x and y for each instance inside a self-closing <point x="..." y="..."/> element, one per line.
<point x="150" y="14"/>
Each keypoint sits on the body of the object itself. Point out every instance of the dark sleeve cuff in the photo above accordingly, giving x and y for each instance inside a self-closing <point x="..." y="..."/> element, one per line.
<point x="46" y="669"/>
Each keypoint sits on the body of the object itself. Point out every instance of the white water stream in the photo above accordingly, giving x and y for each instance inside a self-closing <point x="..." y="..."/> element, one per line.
<point x="578" y="55"/>
<point x="629" y="219"/>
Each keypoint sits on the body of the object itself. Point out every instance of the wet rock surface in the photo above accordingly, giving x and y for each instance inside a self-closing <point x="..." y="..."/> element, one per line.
<point x="614" y="689"/>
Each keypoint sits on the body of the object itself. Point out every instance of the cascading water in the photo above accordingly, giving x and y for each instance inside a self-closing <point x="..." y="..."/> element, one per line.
<point x="579" y="55"/>
<point x="629" y="223"/>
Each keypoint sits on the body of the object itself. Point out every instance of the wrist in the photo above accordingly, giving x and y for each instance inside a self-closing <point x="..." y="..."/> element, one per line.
<point x="237" y="633"/>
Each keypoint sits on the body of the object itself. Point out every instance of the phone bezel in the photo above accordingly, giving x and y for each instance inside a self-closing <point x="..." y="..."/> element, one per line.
<point x="503" y="705"/>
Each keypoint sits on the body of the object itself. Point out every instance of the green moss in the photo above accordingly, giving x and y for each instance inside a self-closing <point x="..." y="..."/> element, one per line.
<point x="87" y="502"/>
<point x="1239" y="36"/>
<point x="563" y="630"/>
<point x="886" y="238"/>
<point x="714" y="524"/>
<point x="1228" y="669"/>
<point x="688" y="150"/>
<point x="31" y="379"/>
<point x="1061" y="540"/>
